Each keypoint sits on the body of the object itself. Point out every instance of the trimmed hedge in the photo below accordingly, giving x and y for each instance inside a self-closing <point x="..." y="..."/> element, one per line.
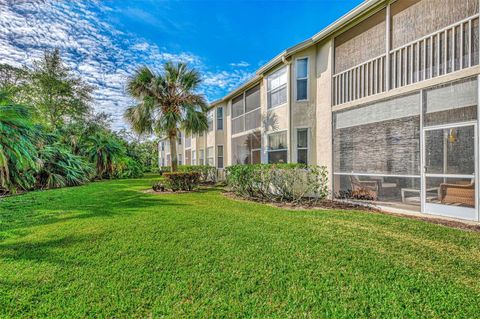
<point x="164" y="169"/>
<point x="208" y="174"/>
<point x="293" y="183"/>
<point x="184" y="181"/>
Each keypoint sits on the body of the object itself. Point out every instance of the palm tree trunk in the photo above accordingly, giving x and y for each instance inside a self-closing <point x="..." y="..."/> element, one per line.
<point x="173" y="151"/>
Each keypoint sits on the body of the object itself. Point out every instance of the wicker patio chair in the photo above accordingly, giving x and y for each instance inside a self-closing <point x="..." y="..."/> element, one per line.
<point x="461" y="193"/>
<point x="364" y="189"/>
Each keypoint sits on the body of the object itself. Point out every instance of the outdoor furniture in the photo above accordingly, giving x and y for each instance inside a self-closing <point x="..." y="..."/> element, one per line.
<point x="364" y="189"/>
<point x="458" y="193"/>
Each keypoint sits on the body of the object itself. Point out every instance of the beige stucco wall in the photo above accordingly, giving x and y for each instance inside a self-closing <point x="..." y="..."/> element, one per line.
<point x="303" y="113"/>
<point x="323" y="136"/>
<point x="228" y="134"/>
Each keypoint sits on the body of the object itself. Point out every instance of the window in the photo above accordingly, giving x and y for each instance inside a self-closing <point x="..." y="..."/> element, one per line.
<point x="188" y="141"/>
<point x="237" y="106"/>
<point x="302" y="79"/>
<point x="277" y="88"/>
<point x="179" y="136"/>
<point x="169" y="161"/>
<point x="210" y="120"/>
<point x="179" y="159"/>
<point x="194" y="157"/>
<point x="302" y="145"/>
<point x="219" y="118"/>
<point x="277" y="147"/>
<point x="252" y="99"/>
<point x="219" y="156"/>
<point x="246" y="113"/>
<point x="210" y="156"/>
<point x="188" y="155"/>
<point x="162" y="145"/>
<point x="201" y="157"/>
<point x="246" y="149"/>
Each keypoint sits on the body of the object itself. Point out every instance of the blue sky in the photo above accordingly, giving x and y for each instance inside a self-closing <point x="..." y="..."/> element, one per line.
<point x="104" y="41"/>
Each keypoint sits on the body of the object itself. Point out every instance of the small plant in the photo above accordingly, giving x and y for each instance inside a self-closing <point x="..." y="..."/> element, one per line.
<point x="158" y="187"/>
<point x="180" y="181"/>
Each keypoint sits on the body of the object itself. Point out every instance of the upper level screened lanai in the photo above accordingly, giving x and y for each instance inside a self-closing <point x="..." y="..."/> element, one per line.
<point x="404" y="43"/>
<point x="246" y="113"/>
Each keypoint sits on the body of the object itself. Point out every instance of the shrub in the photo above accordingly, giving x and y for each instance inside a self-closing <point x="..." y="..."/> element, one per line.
<point x="60" y="168"/>
<point x="185" y="181"/>
<point x="164" y="169"/>
<point x="127" y="167"/>
<point x="158" y="187"/>
<point x="207" y="173"/>
<point x="292" y="183"/>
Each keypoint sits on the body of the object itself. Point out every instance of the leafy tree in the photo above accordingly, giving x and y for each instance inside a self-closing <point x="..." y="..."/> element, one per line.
<point x="12" y="78"/>
<point x="17" y="150"/>
<point x="56" y="93"/>
<point x="76" y="134"/>
<point x="167" y="102"/>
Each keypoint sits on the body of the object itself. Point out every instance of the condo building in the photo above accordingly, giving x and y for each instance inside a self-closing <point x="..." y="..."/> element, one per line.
<point x="386" y="98"/>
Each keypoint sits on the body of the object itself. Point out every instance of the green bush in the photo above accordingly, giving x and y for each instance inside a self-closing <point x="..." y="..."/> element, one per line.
<point x="184" y="181"/>
<point x="164" y="169"/>
<point x="158" y="187"/>
<point x="292" y="183"/>
<point x="60" y="168"/>
<point x="127" y="167"/>
<point x="208" y="174"/>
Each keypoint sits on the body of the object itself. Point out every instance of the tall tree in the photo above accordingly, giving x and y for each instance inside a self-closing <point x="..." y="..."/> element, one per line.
<point x="56" y="92"/>
<point x="168" y="102"/>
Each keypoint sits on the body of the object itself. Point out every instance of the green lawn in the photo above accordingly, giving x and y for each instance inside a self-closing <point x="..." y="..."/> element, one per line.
<point x="109" y="250"/>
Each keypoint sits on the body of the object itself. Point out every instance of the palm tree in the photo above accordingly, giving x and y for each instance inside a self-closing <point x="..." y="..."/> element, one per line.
<point x="168" y="102"/>
<point x="17" y="149"/>
<point x="105" y="151"/>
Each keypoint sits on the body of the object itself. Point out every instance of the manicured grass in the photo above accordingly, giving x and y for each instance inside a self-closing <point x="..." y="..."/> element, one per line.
<point x="108" y="250"/>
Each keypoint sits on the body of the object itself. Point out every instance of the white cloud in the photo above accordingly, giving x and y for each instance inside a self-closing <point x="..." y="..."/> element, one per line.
<point x="101" y="54"/>
<point x="241" y="64"/>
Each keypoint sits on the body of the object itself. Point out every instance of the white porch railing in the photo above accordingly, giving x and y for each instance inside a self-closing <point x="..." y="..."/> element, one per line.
<point x="450" y="49"/>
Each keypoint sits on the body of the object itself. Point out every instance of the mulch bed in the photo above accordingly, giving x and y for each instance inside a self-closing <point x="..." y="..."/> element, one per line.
<point x="341" y="205"/>
<point x="324" y="204"/>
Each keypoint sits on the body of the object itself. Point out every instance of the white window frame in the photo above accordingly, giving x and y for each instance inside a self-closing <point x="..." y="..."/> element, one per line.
<point x="305" y="78"/>
<point x="212" y="148"/>
<point x="220" y="156"/>
<point x="269" y="91"/>
<point x="194" y="157"/>
<point x="179" y="138"/>
<point x="216" y="118"/>
<point x="308" y="142"/>
<point x="210" y="119"/>
<point x="279" y="150"/>
<point x="179" y="159"/>
<point x="201" y="157"/>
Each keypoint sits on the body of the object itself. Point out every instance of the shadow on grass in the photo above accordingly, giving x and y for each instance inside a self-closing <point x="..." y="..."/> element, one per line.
<point x="15" y="218"/>
<point x="48" y="251"/>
